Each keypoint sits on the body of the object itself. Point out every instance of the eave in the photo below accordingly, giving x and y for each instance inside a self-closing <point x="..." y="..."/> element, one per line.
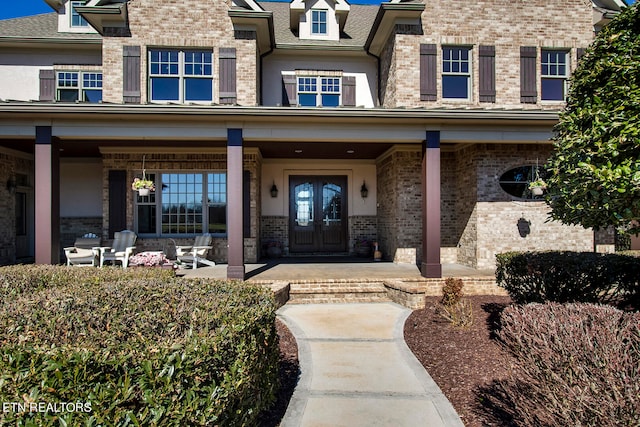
<point x="48" y="42"/>
<point x="261" y="21"/>
<point x="101" y="17"/>
<point x="385" y="22"/>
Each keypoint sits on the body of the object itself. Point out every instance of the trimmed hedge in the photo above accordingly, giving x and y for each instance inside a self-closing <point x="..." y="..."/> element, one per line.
<point x="570" y="277"/>
<point x="573" y="365"/>
<point x="140" y="347"/>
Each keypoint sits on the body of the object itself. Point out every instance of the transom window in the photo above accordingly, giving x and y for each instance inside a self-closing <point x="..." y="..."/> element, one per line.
<point x="516" y="181"/>
<point x="318" y="22"/>
<point x="319" y="91"/>
<point x="183" y="204"/>
<point x="181" y="75"/>
<point x="76" y="19"/>
<point x="554" y="75"/>
<point x="74" y="86"/>
<point x="456" y="73"/>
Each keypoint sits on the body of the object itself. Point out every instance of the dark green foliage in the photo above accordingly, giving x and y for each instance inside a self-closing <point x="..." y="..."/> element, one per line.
<point x="142" y="347"/>
<point x="573" y="365"/>
<point x="595" y="172"/>
<point x="570" y="277"/>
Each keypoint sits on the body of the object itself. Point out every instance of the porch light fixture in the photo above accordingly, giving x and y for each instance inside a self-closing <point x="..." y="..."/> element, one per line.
<point x="274" y="190"/>
<point x="364" y="191"/>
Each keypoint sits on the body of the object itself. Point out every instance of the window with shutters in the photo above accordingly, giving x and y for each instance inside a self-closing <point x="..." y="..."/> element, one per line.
<point x="456" y="73"/>
<point x="72" y="86"/>
<point x="554" y="75"/>
<point x="186" y="203"/>
<point x="180" y="75"/>
<point x="319" y="91"/>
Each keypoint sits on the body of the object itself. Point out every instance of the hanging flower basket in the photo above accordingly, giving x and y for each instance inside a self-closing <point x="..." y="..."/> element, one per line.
<point x="537" y="187"/>
<point x="143" y="186"/>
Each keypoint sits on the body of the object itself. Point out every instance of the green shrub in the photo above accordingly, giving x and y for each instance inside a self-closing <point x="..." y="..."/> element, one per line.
<point x="573" y="365"/>
<point x="140" y="347"/>
<point x="570" y="277"/>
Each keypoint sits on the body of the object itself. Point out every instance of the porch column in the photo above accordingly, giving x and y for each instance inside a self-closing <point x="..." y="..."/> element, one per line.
<point x="47" y="197"/>
<point x="431" y="266"/>
<point x="235" y="237"/>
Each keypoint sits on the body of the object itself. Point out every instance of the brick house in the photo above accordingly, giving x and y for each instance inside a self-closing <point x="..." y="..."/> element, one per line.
<point x="316" y="123"/>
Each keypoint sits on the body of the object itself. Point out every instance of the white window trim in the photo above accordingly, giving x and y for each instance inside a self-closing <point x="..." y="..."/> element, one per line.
<point x="80" y="87"/>
<point x="181" y="76"/>
<point x="565" y="77"/>
<point x="318" y="92"/>
<point x="326" y="22"/>
<point x="468" y="74"/>
<point x="72" y="13"/>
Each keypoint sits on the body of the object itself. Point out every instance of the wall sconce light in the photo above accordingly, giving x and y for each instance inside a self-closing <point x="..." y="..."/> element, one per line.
<point x="274" y="190"/>
<point x="12" y="185"/>
<point x="364" y="191"/>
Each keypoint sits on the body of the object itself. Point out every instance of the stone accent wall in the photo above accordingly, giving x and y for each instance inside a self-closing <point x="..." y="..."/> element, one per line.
<point x="181" y="25"/>
<point x="500" y="23"/>
<point x="132" y="162"/>
<point x="400" y="210"/>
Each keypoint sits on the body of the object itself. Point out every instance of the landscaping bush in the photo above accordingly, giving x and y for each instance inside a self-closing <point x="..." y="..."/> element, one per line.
<point x="134" y="347"/>
<point x="573" y="365"/>
<point x="453" y="306"/>
<point x="570" y="277"/>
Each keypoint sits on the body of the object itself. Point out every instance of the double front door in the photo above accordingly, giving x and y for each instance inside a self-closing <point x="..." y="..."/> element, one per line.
<point x="317" y="214"/>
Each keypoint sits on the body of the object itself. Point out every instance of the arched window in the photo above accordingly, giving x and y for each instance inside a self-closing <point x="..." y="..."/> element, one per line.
<point x="516" y="181"/>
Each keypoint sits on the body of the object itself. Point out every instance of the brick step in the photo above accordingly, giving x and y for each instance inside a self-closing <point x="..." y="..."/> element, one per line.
<point x="332" y="292"/>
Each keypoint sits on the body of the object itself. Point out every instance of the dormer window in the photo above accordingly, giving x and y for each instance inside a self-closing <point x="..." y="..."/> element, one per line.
<point x="319" y="22"/>
<point x="76" y="19"/>
<point x="76" y="86"/>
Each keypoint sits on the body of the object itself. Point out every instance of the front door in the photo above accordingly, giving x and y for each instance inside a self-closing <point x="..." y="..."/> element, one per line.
<point x="317" y="214"/>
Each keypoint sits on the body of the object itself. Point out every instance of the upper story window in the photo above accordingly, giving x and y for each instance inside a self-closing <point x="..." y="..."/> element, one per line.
<point x="181" y="75"/>
<point x="554" y="75"/>
<point x="319" y="91"/>
<point x="318" y="22"/>
<point x="516" y="181"/>
<point x="74" y="86"/>
<point x="76" y="19"/>
<point x="186" y="203"/>
<point x="456" y="73"/>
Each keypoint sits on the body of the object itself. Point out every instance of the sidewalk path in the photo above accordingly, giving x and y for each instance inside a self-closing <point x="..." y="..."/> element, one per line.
<point x="356" y="370"/>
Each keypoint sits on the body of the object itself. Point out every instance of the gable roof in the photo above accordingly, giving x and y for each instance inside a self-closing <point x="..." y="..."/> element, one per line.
<point x="41" y="29"/>
<point x="355" y="33"/>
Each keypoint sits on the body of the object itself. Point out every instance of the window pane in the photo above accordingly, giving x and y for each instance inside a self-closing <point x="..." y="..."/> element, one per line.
<point x="456" y="87"/>
<point x="93" y="95"/>
<point x="198" y="90"/>
<point x="67" y="79"/>
<point x="165" y="89"/>
<point x="197" y="63"/>
<point x="330" y="100"/>
<point x="68" y="95"/>
<point x="146" y="219"/>
<point x="307" y="100"/>
<point x="76" y="19"/>
<point x="553" y="89"/>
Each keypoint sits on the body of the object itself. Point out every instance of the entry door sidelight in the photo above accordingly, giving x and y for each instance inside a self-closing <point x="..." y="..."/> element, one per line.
<point x="317" y="214"/>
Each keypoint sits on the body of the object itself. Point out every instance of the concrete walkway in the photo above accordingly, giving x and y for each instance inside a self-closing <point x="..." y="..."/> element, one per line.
<point x="356" y="370"/>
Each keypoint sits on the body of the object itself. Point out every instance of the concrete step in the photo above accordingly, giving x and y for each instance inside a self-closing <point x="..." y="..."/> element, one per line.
<point x="337" y="292"/>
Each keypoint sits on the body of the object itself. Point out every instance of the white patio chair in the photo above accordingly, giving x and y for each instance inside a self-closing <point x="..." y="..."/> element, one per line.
<point x="196" y="254"/>
<point x="120" y="250"/>
<point x="84" y="251"/>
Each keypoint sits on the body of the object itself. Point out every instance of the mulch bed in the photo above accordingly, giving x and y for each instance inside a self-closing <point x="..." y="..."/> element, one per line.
<point x="465" y="363"/>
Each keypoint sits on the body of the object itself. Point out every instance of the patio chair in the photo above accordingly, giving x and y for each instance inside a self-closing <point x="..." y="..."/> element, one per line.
<point x="84" y="251"/>
<point x="196" y="254"/>
<point x="120" y="250"/>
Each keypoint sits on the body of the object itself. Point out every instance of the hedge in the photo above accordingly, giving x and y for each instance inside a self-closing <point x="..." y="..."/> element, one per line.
<point x="573" y="365"/>
<point x="139" y="347"/>
<point x="570" y="277"/>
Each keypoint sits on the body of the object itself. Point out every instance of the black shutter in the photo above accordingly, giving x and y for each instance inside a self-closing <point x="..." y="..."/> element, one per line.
<point x="117" y="201"/>
<point x="528" y="77"/>
<point x="428" y="72"/>
<point x="228" y="93"/>
<point x="47" y="85"/>
<point x="131" y="74"/>
<point x="289" y="92"/>
<point x="349" y="91"/>
<point x="487" y="71"/>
